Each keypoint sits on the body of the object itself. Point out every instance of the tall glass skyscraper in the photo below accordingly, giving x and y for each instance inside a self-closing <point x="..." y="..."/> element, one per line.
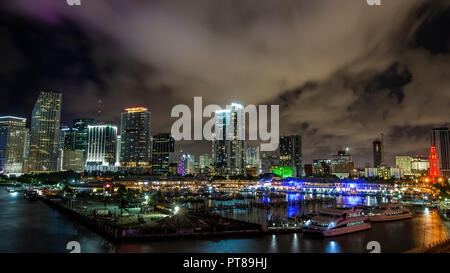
<point x="291" y="154"/>
<point x="135" y="138"/>
<point x="440" y="138"/>
<point x="229" y="144"/>
<point x="44" y="135"/>
<point x="101" y="149"/>
<point x="81" y="139"/>
<point x="162" y="153"/>
<point x="377" y="153"/>
<point x="13" y="137"/>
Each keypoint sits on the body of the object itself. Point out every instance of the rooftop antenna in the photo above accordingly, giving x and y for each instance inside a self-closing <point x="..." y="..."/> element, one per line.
<point x="99" y="111"/>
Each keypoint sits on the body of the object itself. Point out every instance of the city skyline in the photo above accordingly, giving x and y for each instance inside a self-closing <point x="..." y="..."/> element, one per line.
<point x="332" y="96"/>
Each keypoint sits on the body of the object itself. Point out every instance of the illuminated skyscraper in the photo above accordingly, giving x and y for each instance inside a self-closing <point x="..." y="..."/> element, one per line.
<point x="81" y="140"/>
<point x="229" y="145"/>
<point x="13" y="137"/>
<point x="291" y="154"/>
<point x="186" y="164"/>
<point x="162" y="153"/>
<point x="434" y="163"/>
<point x="135" y="138"/>
<point x="44" y="135"/>
<point x="440" y="138"/>
<point x="101" y="150"/>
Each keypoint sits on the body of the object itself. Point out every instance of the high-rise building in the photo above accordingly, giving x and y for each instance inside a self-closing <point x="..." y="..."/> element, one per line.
<point x="135" y="138"/>
<point x="291" y="154"/>
<point x="377" y="153"/>
<point x="440" y="138"/>
<point x="229" y="144"/>
<point x="404" y="163"/>
<point x="69" y="157"/>
<point x="13" y="137"/>
<point x="204" y="161"/>
<point x="252" y="157"/>
<point x="420" y="165"/>
<point x="44" y="135"/>
<point x="81" y="141"/>
<point x="68" y="137"/>
<point x="101" y="149"/>
<point x="434" y="163"/>
<point x="185" y="164"/>
<point x="162" y="153"/>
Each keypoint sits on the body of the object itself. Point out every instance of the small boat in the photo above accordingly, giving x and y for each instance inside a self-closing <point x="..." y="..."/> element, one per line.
<point x="337" y="221"/>
<point x="30" y="194"/>
<point x="389" y="212"/>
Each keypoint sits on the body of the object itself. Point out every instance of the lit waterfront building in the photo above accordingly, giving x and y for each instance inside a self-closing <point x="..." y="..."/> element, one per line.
<point x="228" y="148"/>
<point x="342" y="164"/>
<point x="440" y="138"/>
<point x="252" y="157"/>
<point x="420" y="165"/>
<point x="291" y="154"/>
<point x="321" y="167"/>
<point x="371" y="172"/>
<point x="268" y="162"/>
<point x="135" y="138"/>
<point x="101" y="150"/>
<point x="163" y="153"/>
<point x="13" y="137"/>
<point x="404" y="163"/>
<point x="81" y="140"/>
<point x="396" y="173"/>
<point x="44" y="135"/>
<point x="186" y="164"/>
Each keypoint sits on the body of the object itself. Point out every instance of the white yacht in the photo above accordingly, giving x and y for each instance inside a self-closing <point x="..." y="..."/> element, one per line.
<point x="389" y="212"/>
<point x="337" y="221"/>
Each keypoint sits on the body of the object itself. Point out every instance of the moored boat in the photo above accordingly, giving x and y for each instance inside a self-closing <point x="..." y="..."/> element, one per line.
<point x="389" y="212"/>
<point x="337" y="221"/>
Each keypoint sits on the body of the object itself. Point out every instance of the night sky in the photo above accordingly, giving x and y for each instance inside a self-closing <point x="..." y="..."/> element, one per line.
<point x="342" y="72"/>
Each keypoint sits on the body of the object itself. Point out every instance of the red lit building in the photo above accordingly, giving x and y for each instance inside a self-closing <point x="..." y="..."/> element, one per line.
<point x="434" y="163"/>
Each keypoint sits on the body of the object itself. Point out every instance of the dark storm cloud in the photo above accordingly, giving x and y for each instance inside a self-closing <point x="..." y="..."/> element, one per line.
<point x="342" y="72"/>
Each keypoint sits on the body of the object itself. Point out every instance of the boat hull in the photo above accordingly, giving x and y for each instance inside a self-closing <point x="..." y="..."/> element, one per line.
<point x="338" y="231"/>
<point x="384" y="218"/>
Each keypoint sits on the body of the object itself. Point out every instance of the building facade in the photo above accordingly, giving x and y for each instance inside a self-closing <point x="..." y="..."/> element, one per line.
<point x="377" y="146"/>
<point x="135" y="138"/>
<point x="440" y="138"/>
<point x="44" y="134"/>
<point x="13" y="138"/>
<point x="101" y="149"/>
<point x="186" y="164"/>
<point x="163" y="153"/>
<point x="228" y="148"/>
<point x="404" y="163"/>
<point x="81" y="140"/>
<point x="291" y="154"/>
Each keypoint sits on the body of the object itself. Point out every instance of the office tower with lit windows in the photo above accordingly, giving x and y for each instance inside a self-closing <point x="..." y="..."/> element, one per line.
<point x="101" y="149"/>
<point x="135" y="138"/>
<point x="291" y="154"/>
<point x="440" y="138"/>
<point x="404" y="163"/>
<point x="252" y="157"/>
<point x="44" y="135"/>
<point x="163" y="148"/>
<point x="186" y="164"/>
<point x="13" y="137"/>
<point x="81" y="140"/>
<point x="228" y="148"/>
